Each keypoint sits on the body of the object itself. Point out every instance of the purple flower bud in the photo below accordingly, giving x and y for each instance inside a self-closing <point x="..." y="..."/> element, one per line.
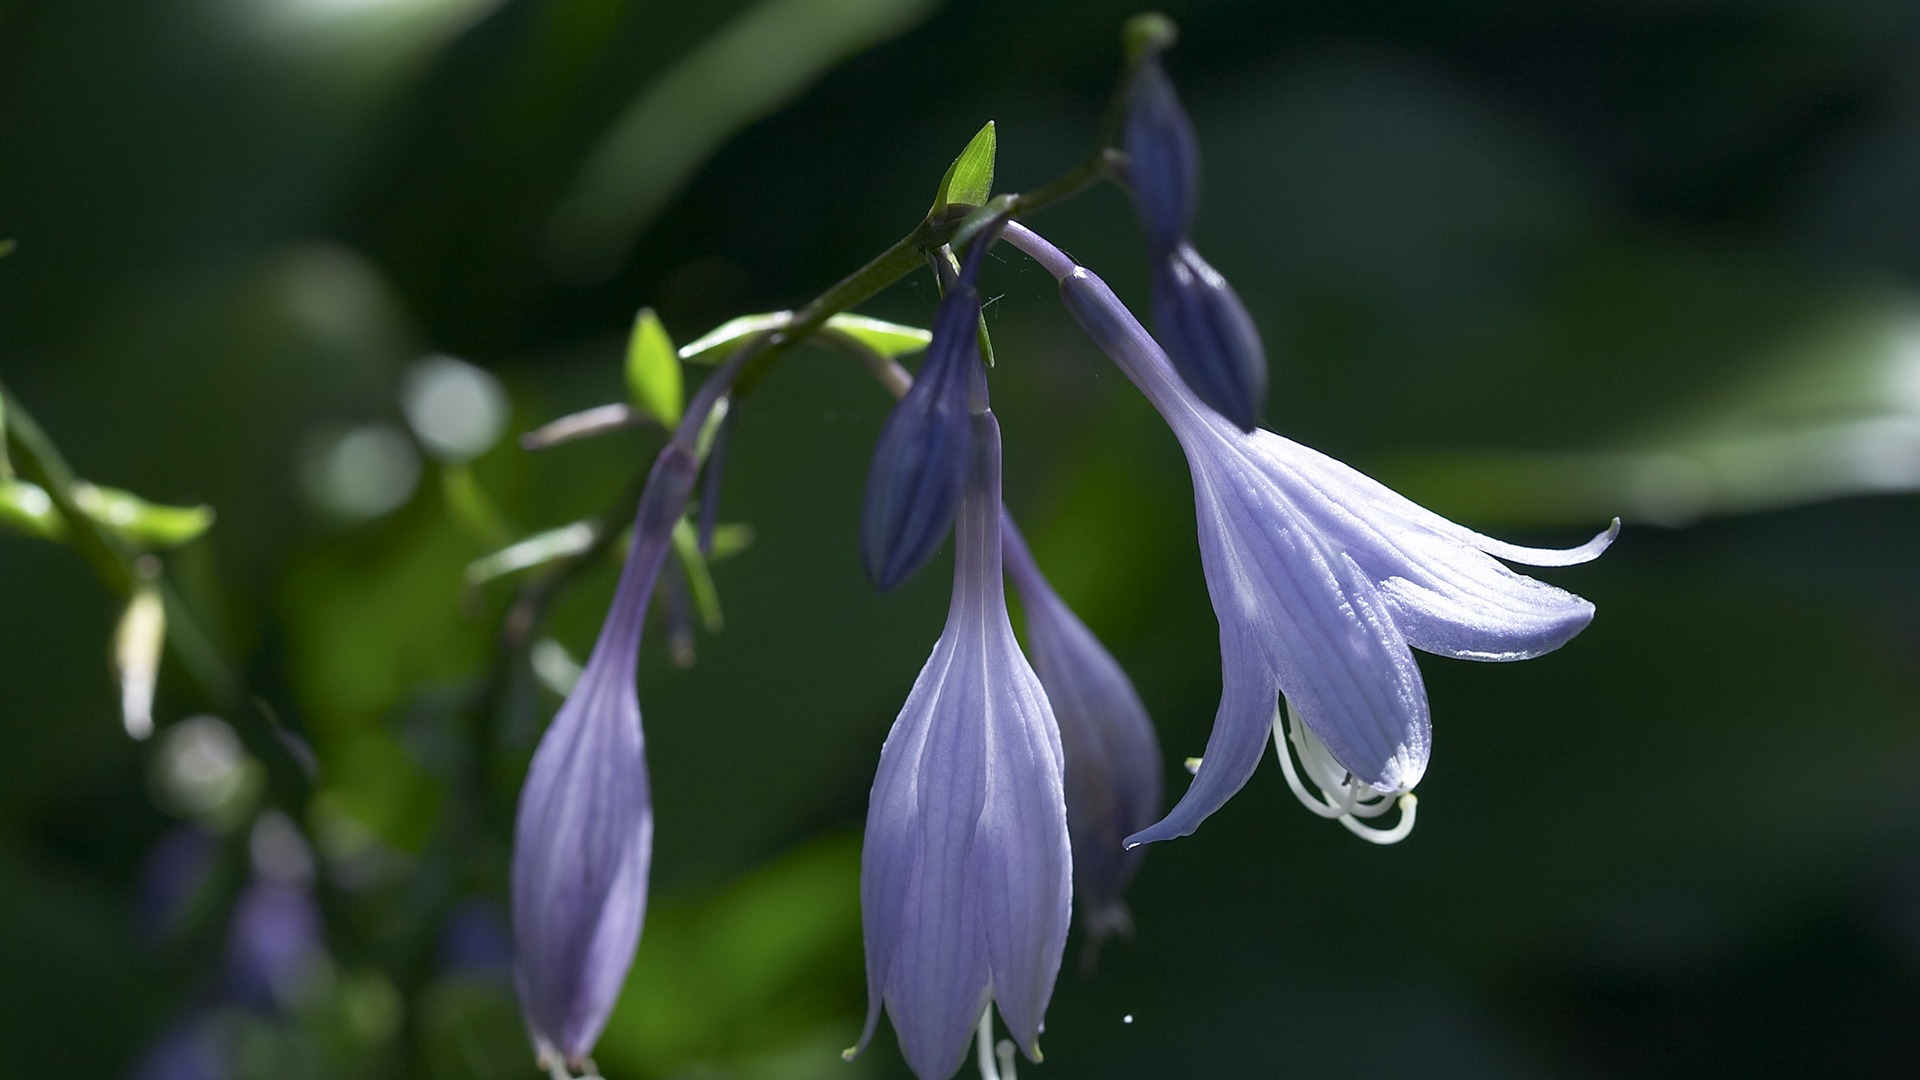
<point x="965" y="877"/>
<point x="920" y="462"/>
<point x="583" y="839"/>
<point x="173" y="872"/>
<point x="193" y="1049"/>
<point x="273" y="942"/>
<point x="1113" y="770"/>
<point x="1209" y="335"/>
<point x="1163" y="156"/>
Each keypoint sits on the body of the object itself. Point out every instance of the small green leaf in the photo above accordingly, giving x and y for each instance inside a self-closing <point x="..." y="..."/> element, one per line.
<point x="969" y="180"/>
<point x="699" y="350"/>
<point x="730" y="539"/>
<point x="471" y="507"/>
<point x="536" y="550"/>
<point x="29" y="509"/>
<point x="139" y="522"/>
<point x="653" y="370"/>
<point x="891" y="340"/>
<point x="706" y="598"/>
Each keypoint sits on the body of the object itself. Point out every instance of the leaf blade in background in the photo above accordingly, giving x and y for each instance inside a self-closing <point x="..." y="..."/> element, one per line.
<point x="744" y="72"/>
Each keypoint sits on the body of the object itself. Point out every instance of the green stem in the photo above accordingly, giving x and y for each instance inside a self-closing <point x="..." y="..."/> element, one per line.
<point x="122" y="570"/>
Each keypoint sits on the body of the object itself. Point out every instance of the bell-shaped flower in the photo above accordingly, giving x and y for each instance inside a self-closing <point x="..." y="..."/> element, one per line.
<point x="583" y="839"/>
<point x="920" y="463"/>
<point x="1324" y="581"/>
<point x="1209" y="335"/>
<point x="1113" y="779"/>
<point x="966" y="873"/>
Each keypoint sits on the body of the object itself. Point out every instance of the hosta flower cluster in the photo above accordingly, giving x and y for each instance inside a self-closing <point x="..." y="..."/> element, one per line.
<point x="1017" y="778"/>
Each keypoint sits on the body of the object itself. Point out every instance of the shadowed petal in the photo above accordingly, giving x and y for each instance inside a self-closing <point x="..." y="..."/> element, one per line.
<point x="1239" y="738"/>
<point x="1112" y="757"/>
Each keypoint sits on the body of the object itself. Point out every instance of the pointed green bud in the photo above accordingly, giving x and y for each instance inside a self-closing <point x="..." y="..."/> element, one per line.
<point x="653" y="370"/>
<point x="969" y="180"/>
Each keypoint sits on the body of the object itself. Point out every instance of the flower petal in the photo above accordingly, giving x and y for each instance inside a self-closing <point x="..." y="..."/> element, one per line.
<point x="925" y="961"/>
<point x="582" y="843"/>
<point x="1342" y="482"/>
<point x="1448" y="596"/>
<point x="1112" y="756"/>
<point x="1023" y="858"/>
<point x="1324" y="626"/>
<point x="1239" y="738"/>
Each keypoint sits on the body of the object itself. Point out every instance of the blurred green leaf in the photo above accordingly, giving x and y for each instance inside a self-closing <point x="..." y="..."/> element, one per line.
<point x="536" y="550"/>
<point x="889" y="339"/>
<point x="6" y="463"/>
<point x="739" y="975"/>
<point x="730" y="539"/>
<point x="29" y="509"/>
<point x="969" y="180"/>
<point x="744" y="72"/>
<point x="373" y="616"/>
<point x="653" y="370"/>
<point x="139" y="522"/>
<point x="706" y="598"/>
<point x="1828" y="408"/>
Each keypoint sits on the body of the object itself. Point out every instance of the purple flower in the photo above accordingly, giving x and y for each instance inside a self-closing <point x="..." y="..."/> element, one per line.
<point x="1324" y="581"/>
<point x="1209" y="335"/>
<point x="1163" y="155"/>
<point x="583" y="839"/>
<point x="194" y="1049"/>
<point x="920" y="462"/>
<point x="1113" y="765"/>
<point x="965" y="877"/>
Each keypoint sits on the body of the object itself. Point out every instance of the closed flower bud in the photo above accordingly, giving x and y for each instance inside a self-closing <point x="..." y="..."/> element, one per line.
<point x="1163" y="156"/>
<point x="1206" y="331"/>
<point x="1113" y="777"/>
<point x="920" y="462"/>
<point x="583" y="838"/>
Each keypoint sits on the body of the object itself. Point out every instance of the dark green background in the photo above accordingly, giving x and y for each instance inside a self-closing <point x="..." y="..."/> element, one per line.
<point x="1523" y="260"/>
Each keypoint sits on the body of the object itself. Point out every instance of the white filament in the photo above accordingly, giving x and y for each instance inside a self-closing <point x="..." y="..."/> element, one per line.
<point x="1342" y="798"/>
<point x="996" y="1061"/>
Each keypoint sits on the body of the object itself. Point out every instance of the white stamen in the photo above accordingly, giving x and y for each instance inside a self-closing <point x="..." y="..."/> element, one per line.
<point x="1342" y="798"/>
<point x="984" y="1046"/>
<point x="1005" y="1050"/>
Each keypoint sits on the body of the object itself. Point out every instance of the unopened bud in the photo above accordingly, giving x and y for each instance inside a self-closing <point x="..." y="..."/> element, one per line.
<point x="920" y="462"/>
<point x="1206" y="330"/>
<point x="1163" y="156"/>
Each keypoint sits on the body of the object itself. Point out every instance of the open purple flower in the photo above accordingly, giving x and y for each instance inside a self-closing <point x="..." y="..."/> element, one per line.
<point x="1324" y="581"/>
<point x="1113" y="778"/>
<point x="965" y="877"/>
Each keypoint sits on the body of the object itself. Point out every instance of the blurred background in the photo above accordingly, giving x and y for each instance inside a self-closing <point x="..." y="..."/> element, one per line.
<point x="315" y="264"/>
